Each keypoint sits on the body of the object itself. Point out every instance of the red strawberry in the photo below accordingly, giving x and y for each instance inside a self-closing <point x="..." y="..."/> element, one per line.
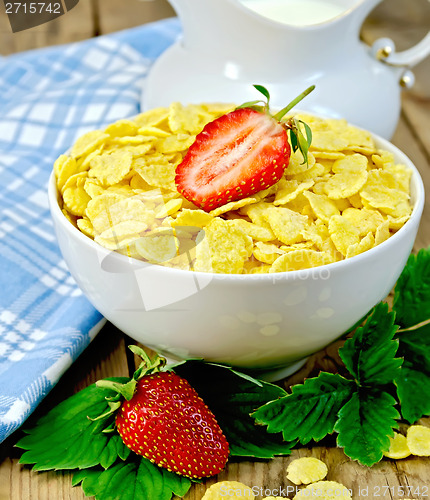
<point x="239" y="154"/>
<point x="168" y="423"/>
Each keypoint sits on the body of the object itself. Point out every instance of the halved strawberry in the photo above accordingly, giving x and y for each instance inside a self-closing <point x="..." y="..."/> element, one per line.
<point x="239" y="154"/>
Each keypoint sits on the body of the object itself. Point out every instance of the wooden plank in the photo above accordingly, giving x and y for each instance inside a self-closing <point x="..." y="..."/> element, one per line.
<point x="115" y="16"/>
<point x="75" y="25"/>
<point x="105" y="357"/>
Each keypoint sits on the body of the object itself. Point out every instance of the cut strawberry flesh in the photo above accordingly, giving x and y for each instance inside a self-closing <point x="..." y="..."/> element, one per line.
<point x="234" y="156"/>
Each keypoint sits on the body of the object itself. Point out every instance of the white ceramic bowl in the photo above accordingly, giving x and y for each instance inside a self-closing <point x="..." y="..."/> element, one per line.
<point x="268" y="323"/>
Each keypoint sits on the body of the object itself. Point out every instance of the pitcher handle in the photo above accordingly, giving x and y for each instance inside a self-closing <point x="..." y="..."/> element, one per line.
<point x="384" y="49"/>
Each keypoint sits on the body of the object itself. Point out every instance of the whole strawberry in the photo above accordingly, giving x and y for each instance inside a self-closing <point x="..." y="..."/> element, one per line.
<point x="240" y="153"/>
<point x="161" y="417"/>
<point x="168" y="423"/>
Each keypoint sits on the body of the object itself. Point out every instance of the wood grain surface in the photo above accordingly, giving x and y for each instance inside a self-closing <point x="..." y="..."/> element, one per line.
<point x="405" y="21"/>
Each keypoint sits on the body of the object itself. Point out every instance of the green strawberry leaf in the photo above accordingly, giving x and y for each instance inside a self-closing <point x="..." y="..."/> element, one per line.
<point x="137" y="478"/>
<point x="263" y="91"/>
<point x="65" y="438"/>
<point x="365" y="424"/>
<point x="310" y="411"/>
<point x="412" y="292"/>
<point x="370" y="354"/>
<point x="232" y="397"/>
<point x="413" y="380"/>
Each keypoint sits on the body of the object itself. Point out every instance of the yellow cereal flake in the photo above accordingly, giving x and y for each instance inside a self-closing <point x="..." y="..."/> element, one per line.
<point x="75" y="180"/>
<point x="221" y="248"/>
<point x="153" y="117"/>
<point x="322" y="206"/>
<point x="232" y="490"/>
<point x="120" y="234"/>
<point x="287" y="225"/>
<point x="288" y="190"/>
<point x="158" y="247"/>
<point x="365" y="220"/>
<point x="169" y="208"/>
<point x="153" y="132"/>
<point x="88" y="143"/>
<point x="110" y="168"/>
<point x="343" y="233"/>
<point x="364" y="244"/>
<point x="297" y="164"/>
<point x="355" y="200"/>
<point x="328" y="140"/>
<point x="267" y="252"/>
<point x="398" y="447"/>
<point x="297" y="260"/>
<point x="306" y="470"/>
<point x="233" y="205"/>
<point x="122" y="128"/>
<point x="397" y="223"/>
<point x="93" y="188"/>
<point x="64" y="168"/>
<point x="328" y="155"/>
<point x="324" y="490"/>
<point x="383" y="159"/>
<point x="418" y="440"/>
<point x="157" y="171"/>
<point x="311" y="173"/>
<point x="109" y="209"/>
<point x="187" y="217"/>
<point x="382" y="232"/>
<point x="75" y="200"/>
<point x="382" y="191"/>
<point x="258" y="233"/>
<point x="84" y="224"/>
<point x="189" y="119"/>
<point x="350" y="175"/>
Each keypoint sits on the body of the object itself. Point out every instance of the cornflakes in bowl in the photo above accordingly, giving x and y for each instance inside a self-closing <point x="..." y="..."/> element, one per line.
<point x="260" y="282"/>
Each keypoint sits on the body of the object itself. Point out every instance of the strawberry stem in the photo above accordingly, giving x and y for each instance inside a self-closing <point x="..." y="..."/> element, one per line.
<point x="126" y="391"/>
<point x="280" y="114"/>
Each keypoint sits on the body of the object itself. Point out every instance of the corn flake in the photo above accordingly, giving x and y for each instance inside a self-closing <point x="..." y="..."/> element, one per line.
<point x="324" y="490"/>
<point x="110" y="169"/>
<point x="286" y="224"/>
<point x="306" y="470"/>
<point x="297" y="260"/>
<point x="418" y="440"/>
<point x="88" y="143"/>
<point x="221" y="248"/>
<point x="398" y="447"/>
<point x="229" y="489"/>
<point x="343" y="233"/>
<point x="350" y="175"/>
<point x="322" y="206"/>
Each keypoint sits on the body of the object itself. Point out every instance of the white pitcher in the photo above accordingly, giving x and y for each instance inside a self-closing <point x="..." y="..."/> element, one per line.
<point x="227" y="46"/>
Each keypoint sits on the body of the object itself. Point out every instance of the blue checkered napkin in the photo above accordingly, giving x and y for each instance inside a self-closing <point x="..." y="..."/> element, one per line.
<point x="47" y="99"/>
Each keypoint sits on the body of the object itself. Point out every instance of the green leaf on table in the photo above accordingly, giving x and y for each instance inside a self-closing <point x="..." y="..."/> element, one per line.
<point x="65" y="438"/>
<point x="232" y="398"/>
<point x="412" y="292"/>
<point x="365" y="424"/>
<point x="370" y="354"/>
<point x="137" y="478"/>
<point x="310" y="412"/>
<point x="413" y="380"/>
